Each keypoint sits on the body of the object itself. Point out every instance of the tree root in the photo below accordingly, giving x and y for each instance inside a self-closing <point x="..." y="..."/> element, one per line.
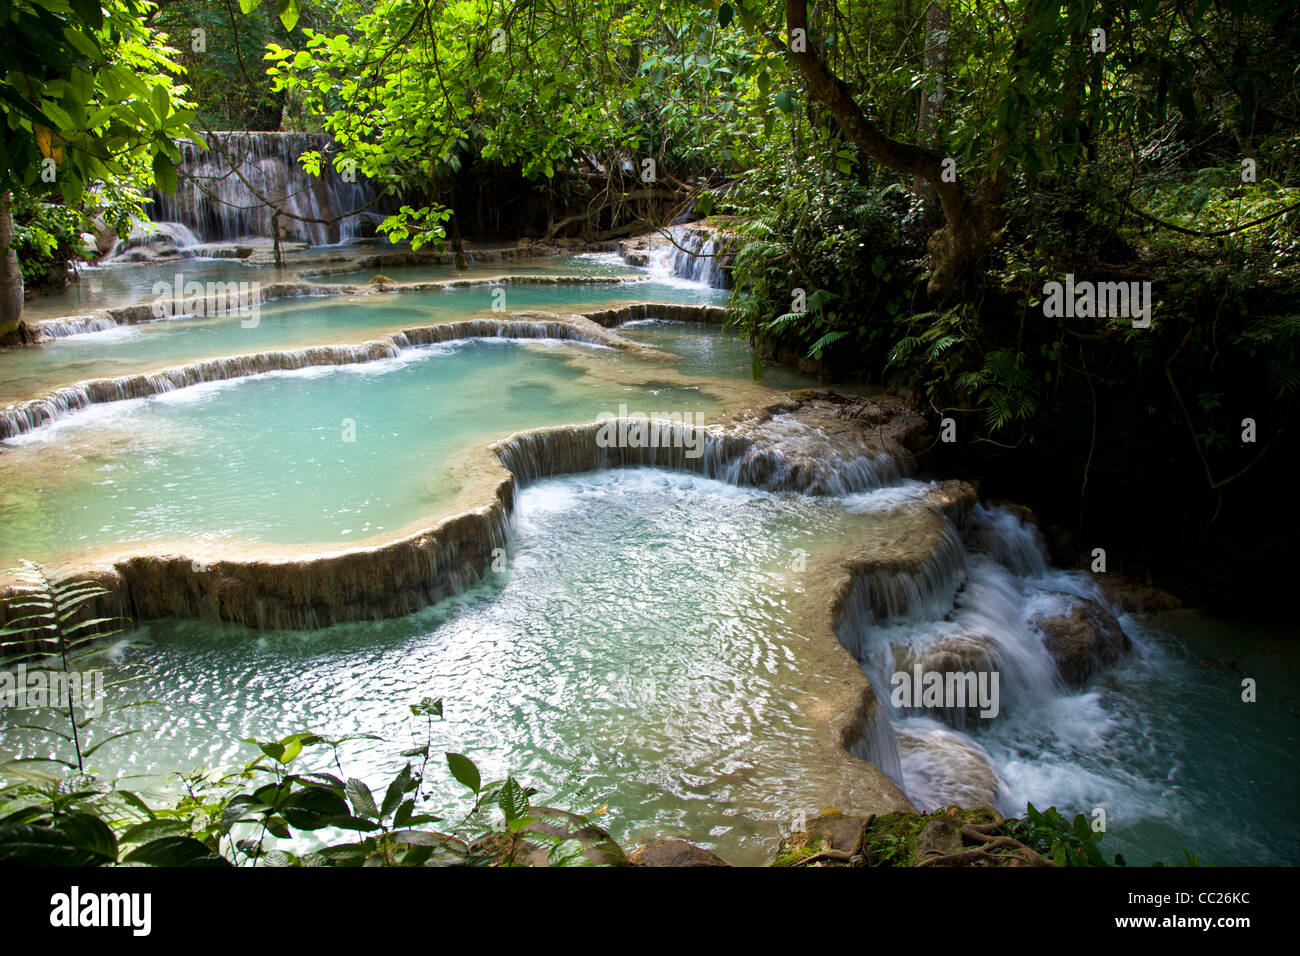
<point x="989" y="847"/>
<point x="831" y="856"/>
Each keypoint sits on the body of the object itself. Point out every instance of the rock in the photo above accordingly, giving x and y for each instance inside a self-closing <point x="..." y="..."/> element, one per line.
<point x="961" y="652"/>
<point x="1137" y="598"/>
<point x="1082" y="640"/>
<point x="910" y="562"/>
<point x="946" y="769"/>
<point x="954" y="498"/>
<point x="674" y="853"/>
<point x="834" y="833"/>
<point x="554" y="825"/>
<point x="951" y="837"/>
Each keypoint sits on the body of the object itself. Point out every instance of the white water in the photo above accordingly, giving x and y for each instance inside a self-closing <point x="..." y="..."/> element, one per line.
<point x="692" y="255"/>
<point x="219" y="190"/>
<point x="1112" y="746"/>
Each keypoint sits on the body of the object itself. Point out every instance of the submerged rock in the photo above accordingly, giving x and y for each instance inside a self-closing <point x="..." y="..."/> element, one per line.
<point x="1083" y="639"/>
<point x="946" y="769"/>
<point x="674" y="853"/>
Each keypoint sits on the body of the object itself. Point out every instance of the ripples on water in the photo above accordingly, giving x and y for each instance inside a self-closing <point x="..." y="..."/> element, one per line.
<point x="636" y="653"/>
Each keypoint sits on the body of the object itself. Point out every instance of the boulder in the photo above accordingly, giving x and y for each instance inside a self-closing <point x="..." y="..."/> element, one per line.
<point x="962" y="652"/>
<point x="946" y="769"/>
<point x="674" y="853"/>
<point x="1082" y="639"/>
<point x="1136" y="597"/>
<point x="832" y="837"/>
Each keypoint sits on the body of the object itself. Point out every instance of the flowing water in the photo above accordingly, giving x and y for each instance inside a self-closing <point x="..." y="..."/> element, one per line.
<point x="1161" y="741"/>
<point x="637" y="658"/>
<point x="296" y="322"/>
<point x="637" y="653"/>
<point x="325" y="455"/>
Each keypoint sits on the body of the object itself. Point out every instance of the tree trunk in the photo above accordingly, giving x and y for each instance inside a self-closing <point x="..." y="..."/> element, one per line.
<point x="972" y="217"/>
<point x="930" y="114"/>
<point x="457" y="246"/>
<point x="11" y="276"/>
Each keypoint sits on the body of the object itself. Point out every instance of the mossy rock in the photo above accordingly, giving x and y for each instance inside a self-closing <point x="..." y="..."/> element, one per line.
<point x="954" y="836"/>
<point x="832" y="836"/>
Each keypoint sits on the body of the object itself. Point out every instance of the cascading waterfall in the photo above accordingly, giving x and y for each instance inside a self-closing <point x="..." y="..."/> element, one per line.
<point x="20" y="419"/>
<point x="695" y="254"/>
<point x="220" y="190"/>
<point x="76" y="325"/>
<point x="159" y="239"/>
<point x="753" y="458"/>
<point x="967" y="608"/>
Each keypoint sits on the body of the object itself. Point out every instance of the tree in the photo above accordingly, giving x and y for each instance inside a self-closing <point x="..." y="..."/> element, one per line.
<point x="92" y="105"/>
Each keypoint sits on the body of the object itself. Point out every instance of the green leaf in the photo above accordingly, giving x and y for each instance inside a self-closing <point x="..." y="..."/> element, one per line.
<point x="465" y="771"/>
<point x="363" y="801"/>
<point x="288" y="12"/>
<point x="428" y="706"/>
<point x="513" y="800"/>
<point x="400" y="786"/>
<point x="164" y="173"/>
<point x="174" y="851"/>
<point x="77" y="839"/>
<point x="161" y="103"/>
<point x="312" y="808"/>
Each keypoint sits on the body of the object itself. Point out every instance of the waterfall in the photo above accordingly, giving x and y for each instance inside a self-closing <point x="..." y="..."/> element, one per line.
<point x="156" y="240"/>
<point x="1007" y="538"/>
<point x="641" y="311"/>
<point x="217" y="196"/>
<point x="693" y="253"/>
<point x="22" y="418"/>
<point x="942" y="600"/>
<point x="75" y="325"/>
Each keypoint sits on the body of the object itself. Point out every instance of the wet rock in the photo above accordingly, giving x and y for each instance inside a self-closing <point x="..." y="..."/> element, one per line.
<point x="955" y="498"/>
<point x="674" y="853"/>
<point x="1135" y="597"/>
<point x="637" y="311"/>
<point x="1083" y="639"/>
<point x="956" y="653"/>
<point x="830" y="839"/>
<point x="946" y="769"/>
<point x="911" y="562"/>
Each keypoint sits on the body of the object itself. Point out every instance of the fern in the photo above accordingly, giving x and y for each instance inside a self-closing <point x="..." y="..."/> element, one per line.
<point x="49" y="630"/>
